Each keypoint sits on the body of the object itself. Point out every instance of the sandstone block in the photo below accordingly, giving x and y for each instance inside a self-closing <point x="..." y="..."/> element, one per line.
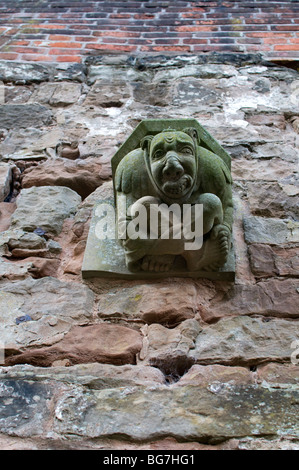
<point x="268" y="260"/>
<point x="45" y="207"/>
<point x="245" y="341"/>
<point x="273" y="200"/>
<point x="185" y="413"/>
<point x="270" y="231"/>
<point x="95" y="375"/>
<point x="24" y="116"/>
<point x="5" y="181"/>
<point x="168" y="349"/>
<point x="82" y="176"/>
<point x="6" y="210"/>
<point x="107" y="95"/>
<point x="104" y="343"/>
<point x="22" y="72"/>
<point x="204" y="376"/>
<point x="274" y="297"/>
<point x="54" y="307"/>
<point x="157" y="302"/>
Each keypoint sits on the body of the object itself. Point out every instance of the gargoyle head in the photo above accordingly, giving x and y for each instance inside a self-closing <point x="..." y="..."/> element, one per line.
<point x="172" y="161"/>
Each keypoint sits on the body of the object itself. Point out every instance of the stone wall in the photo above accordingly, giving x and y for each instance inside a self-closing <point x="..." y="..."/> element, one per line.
<point x="168" y="364"/>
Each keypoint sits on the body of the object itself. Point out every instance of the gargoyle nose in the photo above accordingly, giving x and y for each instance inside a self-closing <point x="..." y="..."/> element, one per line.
<point x="173" y="170"/>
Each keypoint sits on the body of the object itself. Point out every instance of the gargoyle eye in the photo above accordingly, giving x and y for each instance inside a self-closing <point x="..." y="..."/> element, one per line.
<point x="158" y="154"/>
<point x="187" y="150"/>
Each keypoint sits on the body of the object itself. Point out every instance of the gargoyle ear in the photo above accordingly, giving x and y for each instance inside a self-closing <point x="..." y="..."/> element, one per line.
<point x="145" y="143"/>
<point x="193" y="133"/>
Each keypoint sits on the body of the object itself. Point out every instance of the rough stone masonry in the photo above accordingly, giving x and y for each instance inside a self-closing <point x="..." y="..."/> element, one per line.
<point x="168" y="364"/>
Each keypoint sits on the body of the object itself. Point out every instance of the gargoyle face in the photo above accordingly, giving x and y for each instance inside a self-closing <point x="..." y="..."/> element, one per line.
<point x="172" y="159"/>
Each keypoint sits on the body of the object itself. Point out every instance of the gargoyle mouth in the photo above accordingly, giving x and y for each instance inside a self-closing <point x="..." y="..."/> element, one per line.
<point x="178" y="188"/>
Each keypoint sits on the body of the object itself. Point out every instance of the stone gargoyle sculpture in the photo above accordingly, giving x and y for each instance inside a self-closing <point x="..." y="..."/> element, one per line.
<point x="172" y="175"/>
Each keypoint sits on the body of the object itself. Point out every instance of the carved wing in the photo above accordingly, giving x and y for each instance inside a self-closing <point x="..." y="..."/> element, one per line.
<point x="131" y="175"/>
<point x="225" y="171"/>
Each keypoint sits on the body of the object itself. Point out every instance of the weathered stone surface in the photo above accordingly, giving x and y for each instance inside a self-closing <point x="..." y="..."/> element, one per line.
<point x="5" y="181"/>
<point x="251" y="443"/>
<point x="82" y="176"/>
<point x="295" y="124"/>
<point x="94" y="375"/>
<point x="57" y="94"/>
<point x="193" y="91"/>
<point x="270" y="231"/>
<point x="107" y="96"/>
<point x="107" y="75"/>
<point x="6" y="211"/>
<point x="168" y="349"/>
<point x="14" y="271"/>
<point x="278" y="373"/>
<point x="73" y="72"/>
<point x="188" y="413"/>
<point x="22" y="72"/>
<point x="104" y="343"/>
<point x="207" y="71"/>
<point x="44" y="207"/>
<point x="273" y="200"/>
<point x="24" y="115"/>
<point x="276" y="120"/>
<point x="274" y="297"/>
<point x="53" y="305"/>
<point x="23" y="410"/>
<point x="245" y="341"/>
<point x="268" y="260"/>
<point x="285" y="151"/>
<point x="42" y="267"/>
<point x="203" y="376"/>
<point x="17" y="94"/>
<point x="65" y="94"/>
<point x="154" y="94"/>
<point x="20" y="239"/>
<point x="160" y="302"/>
<point x="266" y="170"/>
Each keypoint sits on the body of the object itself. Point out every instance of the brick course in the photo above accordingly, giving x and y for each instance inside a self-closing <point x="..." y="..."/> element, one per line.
<point x="69" y="31"/>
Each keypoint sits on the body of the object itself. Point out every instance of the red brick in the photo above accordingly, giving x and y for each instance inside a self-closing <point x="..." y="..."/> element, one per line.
<point x="84" y="38"/>
<point x="145" y="16"/>
<point x="72" y="29"/>
<point x="267" y="34"/>
<point x="25" y="50"/>
<point x="195" y="28"/>
<point x="119" y="16"/>
<point x="69" y="44"/>
<point x="66" y="58"/>
<point x="19" y="43"/>
<point x="116" y="34"/>
<point x="111" y="47"/>
<point x="8" y="56"/>
<point x="193" y="14"/>
<point x="58" y="37"/>
<point x="276" y="40"/>
<point x="287" y="47"/>
<point x="165" y="48"/>
<point x="248" y="40"/>
<point x="284" y="28"/>
<point x="194" y="41"/>
<point x="60" y="51"/>
<point x="47" y="26"/>
<point x="114" y="40"/>
<point x="36" y="58"/>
